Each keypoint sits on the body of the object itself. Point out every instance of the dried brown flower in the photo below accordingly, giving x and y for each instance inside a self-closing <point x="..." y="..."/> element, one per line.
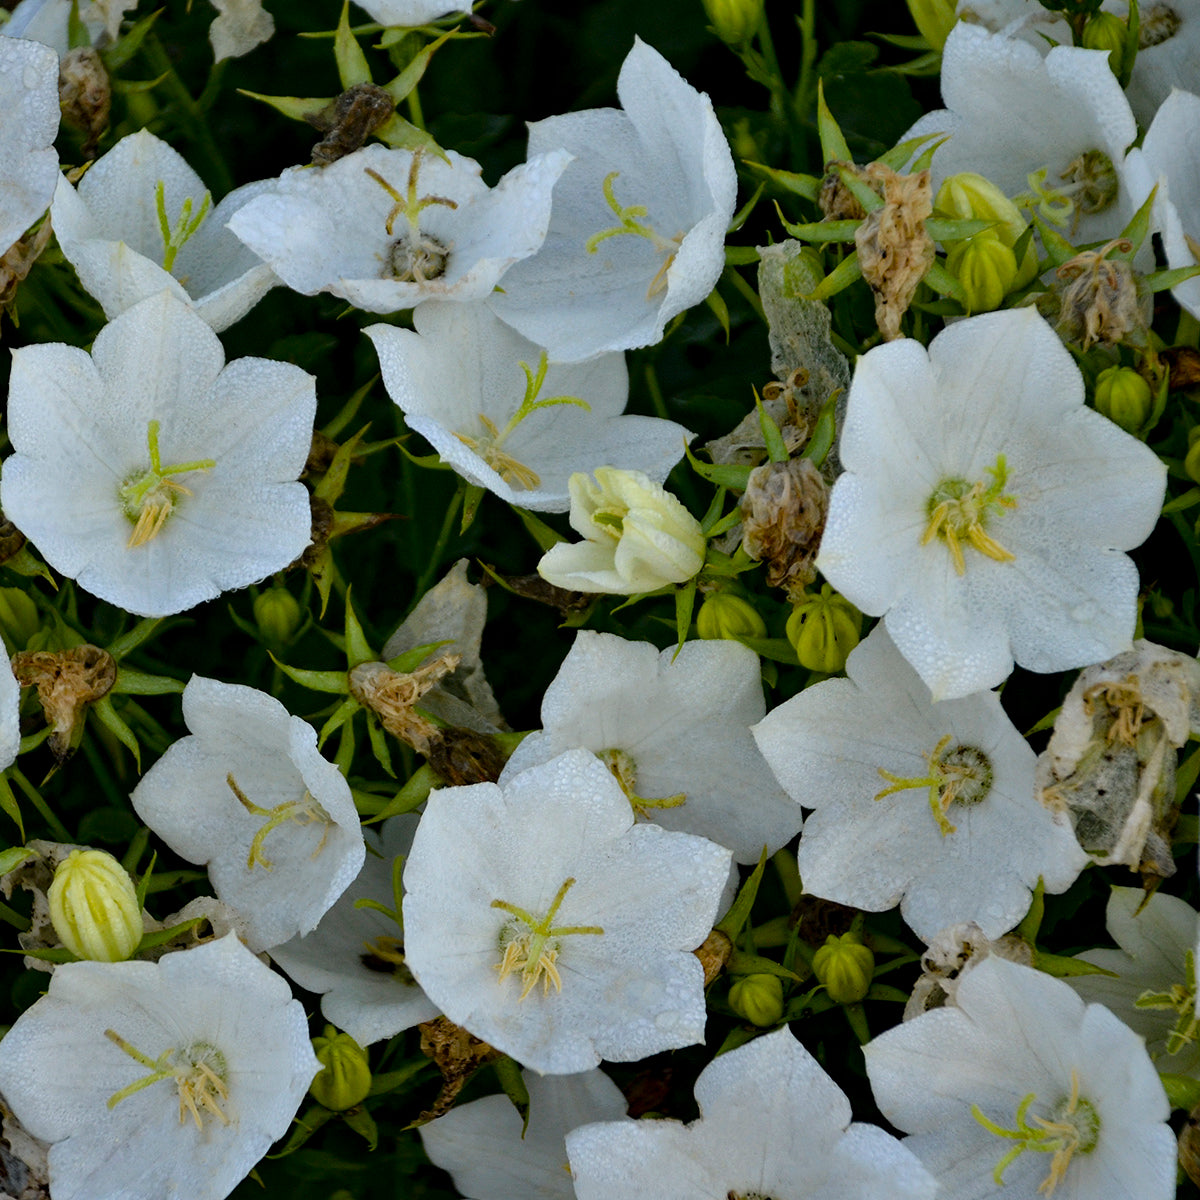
<point x="783" y="515"/>
<point x="66" y="681"/>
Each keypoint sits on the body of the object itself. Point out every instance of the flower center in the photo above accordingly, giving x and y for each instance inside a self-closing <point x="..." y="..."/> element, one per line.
<point x="957" y="775"/>
<point x="624" y="770"/>
<point x="1159" y="23"/>
<point x="1073" y="1127"/>
<point x="530" y="944"/>
<point x="1180" y="998"/>
<point x="149" y="497"/>
<point x="304" y="811"/>
<point x="1087" y="184"/>
<point x="198" y="1069"/>
<point x="385" y="955"/>
<point x="489" y="446"/>
<point x="1122" y="705"/>
<point x="959" y="511"/>
<point x="630" y="219"/>
<point x="414" y="257"/>
<point x="176" y="236"/>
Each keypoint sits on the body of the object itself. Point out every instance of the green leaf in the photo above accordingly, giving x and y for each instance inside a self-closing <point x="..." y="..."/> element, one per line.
<point x="539" y="530"/>
<point x="808" y="186"/>
<point x="363" y="1124"/>
<point x="298" y="108"/>
<point x="940" y="279"/>
<point x="332" y="682"/>
<point x="104" y="712"/>
<point x="351" y="61"/>
<point x="823" y="231"/>
<point x="685" y="603"/>
<point x="778" y="650"/>
<point x="735" y="919"/>
<point x="1161" y="281"/>
<point x="415" y="792"/>
<point x="862" y="191"/>
<point x="833" y="144"/>
<point x="408" y="79"/>
<point x="730" y="475"/>
<point x="848" y="271"/>
<point x="720" y="310"/>
<point x="777" y="450"/>
<point x="137" y="683"/>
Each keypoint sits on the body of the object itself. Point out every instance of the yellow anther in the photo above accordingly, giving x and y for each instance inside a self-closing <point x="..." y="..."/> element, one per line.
<point x="958" y="511"/>
<point x="304" y="811"/>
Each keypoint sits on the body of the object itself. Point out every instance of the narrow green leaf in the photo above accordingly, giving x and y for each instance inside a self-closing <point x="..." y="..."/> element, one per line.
<point x="720" y="310"/>
<point x="539" y="530"/>
<point x="862" y="191"/>
<point x="408" y="79"/>
<point x="333" y="682"/>
<point x="847" y="272"/>
<point x="940" y="279"/>
<point x="685" y="603"/>
<point x="508" y="1073"/>
<point x="778" y="650"/>
<point x="777" y="450"/>
<point x="351" y="61"/>
<point x="298" y="108"/>
<point x="1161" y="281"/>
<point x="137" y="683"/>
<point x="735" y="919"/>
<point x="823" y="231"/>
<point x="808" y="186"/>
<point x="730" y="475"/>
<point x="107" y="715"/>
<point x="833" y="144"/>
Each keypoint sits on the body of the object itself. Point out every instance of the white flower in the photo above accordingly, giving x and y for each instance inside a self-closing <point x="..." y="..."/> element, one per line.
<point x="354" y="959"/>
<point x="978" y="509"/>
<point x="249" y="795"/>
<point x="158" y="1081"/>
<point x="1155" y="989"/>
<point x="930" y="802"/>
<point x="28" y="160"/>
<point x="412" y="12"/>
<point x="490" y="1155"/>
<point x="150" y="471"/>
<point x="772" y="1123"/>
<point x="639" y="537"/>
<point x="637" y="233"/>
<point x="539" y="918"/>
<point x="48" y="21"/>
<point x="239" y="26"/>
<point x="1019" y="1090"/>
<point x="505" y="419"/>
<point x="141" y="220"/>
<point x="1011" y="114"/>
<point x="10" y="716"/>
<point x="674" y="730"/>
<point x="1168" y="49"/>
<point x="387" y="229"/>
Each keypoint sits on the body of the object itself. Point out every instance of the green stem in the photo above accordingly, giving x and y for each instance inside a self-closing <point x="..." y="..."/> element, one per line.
<point x="434" y="558"/>
<point x="14" y="918"/>
<point x="415" y="115"/>
<point x="805" y="90"/>
<point x="59" y="830"/>
<point x="656" y="392"/>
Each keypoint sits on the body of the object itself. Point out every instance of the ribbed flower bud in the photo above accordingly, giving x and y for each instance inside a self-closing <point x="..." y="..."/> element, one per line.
<point x="986" y="268"/>
<point x="724" y="615"/>
<point x="94" y="908"/>
<point x="971" y="197"/>
<point x="934" y="19"/>
<point x="758" y="998"/>
<point x="277" y="615"/>
<point x="735" y="22"/>
<point x="18" y="617"/>
<point x="346" y="1078"/>
<point x="1106" y="31"/>
<point x="823" y="630"/>
<point x="1124" y="397"/>
<point x="845" y="966"/>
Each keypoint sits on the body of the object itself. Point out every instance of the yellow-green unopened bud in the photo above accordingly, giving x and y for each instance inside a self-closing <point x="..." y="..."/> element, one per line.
<point x="986" y="268"/>
<point x="94" y="908"/>
<point x="1106" y="31"/>
<point x="1124" y="397"/>
<point x="18" y="617"/>
<point x="758" y="998"/>
<point x="845" y="966"/>
<point x="823" y="630"/>
<point x="971" y="197"/>
<point x="724" y="615"/>
<point x="735" y="22"/>
<point x="346" y="1077"/>
<point x="934" y="19"/>
<point x="277" y="614"/>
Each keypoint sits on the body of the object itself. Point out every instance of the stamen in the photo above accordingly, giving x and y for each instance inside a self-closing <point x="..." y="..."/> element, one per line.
<point x="304" y="811"/>
<point x="176" y="236"/>
<point x="624" y="770"/>
<point x="415" y="257"/>
<point x="1179" y="998"/>
<point x="957" y="775"/>
<point x="957" y="513"/>
<point x="630" y="221"/>
<point x="199" y="1072"/>
<point x="149" y="497"/>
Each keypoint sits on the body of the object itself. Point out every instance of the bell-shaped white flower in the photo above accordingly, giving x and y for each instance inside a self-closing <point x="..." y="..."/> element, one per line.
<point x="1168" y="50"/>
<point x="150" y="471"/>
<point x="977" y="509"/>
<point x="28" y="160"/>
<point x="158" y="1081"/>
<point x="249" y="795"/>
<point x="141" y="220"/>
<point x="505" y="419"/>
<point x="388" y="229"/>
<point x="541" y="919"/>
<point x="10" y="716"/>
<point x="354" y="959"/>
<point x="48" y="21"/>
<point x="639" y="537"/>
<point x="1019" y="1090"/>
<point x="490" y="1154"/>
<point x="674" y="731"/>
<point x="771" y="1123"/>
<point x="412" y="12"/>
<point x="637" y="234"/>
<point x="1056" y="128"/>
<point x="927" y="805"/>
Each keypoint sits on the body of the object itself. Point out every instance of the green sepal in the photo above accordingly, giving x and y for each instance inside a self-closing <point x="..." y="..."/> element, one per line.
<point x="161" y="936"/>
<point x="778" y="650"/>
<point x="296" y="107"/>
<point x="856" y="1018"/>
<point x="685" y="603"/>
<point x="351" y="61"/>
<point x="110" y="719"/>
<point x="1161" y="281"/>
<point x="808" y="186"/>
<point x="773" y="440"/>
<point x="718" y="565"/>
<point x="725" y="524"/>
<point x="862" y="191"/>
<point x="929" y="63"/>
<point x="305" y="1127"/>
<point x="899" y="154"/>
<point x="1137" y="229"/>
<point x="1062" y="967"/>
<point x="56" y="955"/>
<point x="720" y="310"/>
<point x="1057" y="247"/>
<point x="730" y="475"/>
<point x="833" y="144"/>
<point x="735" y="919"/>
<point x="824" y="432"/>
<point x="953" y="229"/>
<point x="333" y="482"/>
<point x="1132" y="39"/>
<point x="358" y="649"/>
<point x="824" y="231"/>
<point x="143" y="884"/>
<point x="363" y="1124"/>
<point x="404" y="135"/>
<point x="1031" y="922"/>
<point x="414" y="793"/>
<point x="23" y="563"/>
<point x="77" y="33"/>
<point x="128" y="44"/>
<point x="508" y="1072"/>
<point x="137" y="683"/>
<point x="472" y="497"/>
<point x="743" y="214"/>
<point x="12" y="809"/>
<point x="400" y="1079"/>
<point x="379" y="745"/>
<point x="408" y="79"/>
<point x="741" y="963"/>
<point x="940" y="279"/>
<point x="848" y="271"/>
<point x="1182" y="502"/>
<point x="885" y="992"/>
<point x="1182" y="1091"/>
<point x="14" y="856"/>
<point x="332" y="682"/>
<point x="337" y="719"/>
<point x="541" y="533"/>
<point x="139" y="635"/>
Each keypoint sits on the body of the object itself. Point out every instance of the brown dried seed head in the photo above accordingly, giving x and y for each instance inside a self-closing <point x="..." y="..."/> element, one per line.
<point x="349" y="121"/>
<point x="713" y="954"/>
<point x="85" y="94"/>
<point x="783" y="517"/>
<point x="458" y="1055"/>
<point x="66" y="681"/>
<point x="393" y="695"/>
<point x="835" y="200"/>
<point x="1101" y="300"/>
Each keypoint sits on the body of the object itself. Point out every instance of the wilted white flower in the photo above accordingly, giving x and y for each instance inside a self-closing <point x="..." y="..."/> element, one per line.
<point x="28" y="160"/>
<point x="354" y="959"/>
<point x="674" y="731"/>
<point x="771" y="1123"/>
<point x="637" y="233"/>
<point x="249" y="795"/>
<point x="986" y="523"/>
<point x="158" y="1081"/>
<point x="1019" y="1090"/>
<point x="639" y="537"/>
<point x="48" y="21"/>
<point x="541" y="919"/>
<point x="492" y="1157"/>
<point x="141" y="220"/>
<point x="505" y="419"/>
<point x="150" y="471"/>
<point x="388" y="229"/>
<point x="929" y="805"/>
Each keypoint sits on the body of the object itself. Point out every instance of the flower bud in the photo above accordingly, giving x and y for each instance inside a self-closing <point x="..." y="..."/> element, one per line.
<point x="934" y="19"/>
<point x="94" y="908"/>
<point x="735" y="22"/>
<point x="1106" y="31"/>
<point x="758" y="998"/>
<point x="986" y="268"/>
<point x="1124" y="397"/>
<point x="971" y="197"/>
<point x="18" y="617"/>
<point x="345" y="1078"/>
<point x="845" y="966"/>
<point x="277" y="615"/>
<point x="823" y="630"/>
<point x="724" y="615"/>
